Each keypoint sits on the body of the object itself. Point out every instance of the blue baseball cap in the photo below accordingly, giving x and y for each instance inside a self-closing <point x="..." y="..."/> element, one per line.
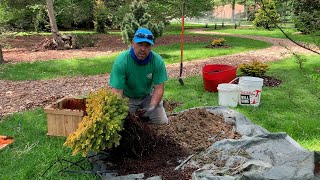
<point x="143" y="35"/>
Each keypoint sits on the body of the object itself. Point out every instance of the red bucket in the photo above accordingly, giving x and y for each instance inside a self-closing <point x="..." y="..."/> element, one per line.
<point x="215" y="74"/>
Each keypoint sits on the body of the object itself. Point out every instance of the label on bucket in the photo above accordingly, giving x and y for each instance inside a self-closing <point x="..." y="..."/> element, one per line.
<point x="250" y="97"/>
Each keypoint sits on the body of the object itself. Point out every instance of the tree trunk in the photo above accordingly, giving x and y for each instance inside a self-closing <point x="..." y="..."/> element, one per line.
<point x="57" y="39"/>
<point x="246" y="10"/>
<point x="1" y="56"/>
<point x="233" y="4"/>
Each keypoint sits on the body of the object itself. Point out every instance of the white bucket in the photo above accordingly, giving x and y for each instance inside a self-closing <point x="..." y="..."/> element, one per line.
<point x="250" y="90"/>
<point x="228" y="94"/>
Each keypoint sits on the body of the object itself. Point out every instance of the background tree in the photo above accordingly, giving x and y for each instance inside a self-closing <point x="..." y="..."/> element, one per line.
<point x="307" y="16"/>
<point x="57" y="39"/>
<point x="268" y="16"/>
<point x="138" y="17"/>
<point x="100" y="16"/>
<point x="74" y="14"/>
<point x="70" y="14"/>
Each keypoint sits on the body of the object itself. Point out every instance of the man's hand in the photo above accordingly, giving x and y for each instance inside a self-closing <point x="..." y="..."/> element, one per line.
<point x="140" y="112"/>
<point x="149" y="111"/>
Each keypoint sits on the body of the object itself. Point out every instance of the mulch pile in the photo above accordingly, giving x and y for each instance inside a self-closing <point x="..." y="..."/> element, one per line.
<point x="187" y="133"/>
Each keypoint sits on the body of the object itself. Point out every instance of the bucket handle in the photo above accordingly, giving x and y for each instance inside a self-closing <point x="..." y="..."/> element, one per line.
<point x="233" y="80"/>
<point x="214" y="72"/>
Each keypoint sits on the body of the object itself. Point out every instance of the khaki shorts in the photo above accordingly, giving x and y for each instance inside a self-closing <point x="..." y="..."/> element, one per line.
<point x="158" y="116"/>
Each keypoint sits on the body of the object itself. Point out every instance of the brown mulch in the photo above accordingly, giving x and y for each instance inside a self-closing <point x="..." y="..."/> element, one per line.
<point x="268" y="81"/>
<point x="22" y="47"/>
<point x="187" y="133"/>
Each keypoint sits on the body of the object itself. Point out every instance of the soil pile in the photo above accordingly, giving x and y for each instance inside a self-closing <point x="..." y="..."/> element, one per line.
<point x="187" y="133"/>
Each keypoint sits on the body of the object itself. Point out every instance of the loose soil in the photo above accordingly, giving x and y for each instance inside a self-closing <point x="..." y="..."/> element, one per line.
<point x="187" y="133"/>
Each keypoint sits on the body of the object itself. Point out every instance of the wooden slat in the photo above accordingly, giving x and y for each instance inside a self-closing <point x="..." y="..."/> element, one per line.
<point x="51" y="124"/>
<point x="69" y="128"/>
<point x="62" y="122"/>
<point x="59" y="124"/>
<point x="76" y="121"/>
<point x="64" y="112"/>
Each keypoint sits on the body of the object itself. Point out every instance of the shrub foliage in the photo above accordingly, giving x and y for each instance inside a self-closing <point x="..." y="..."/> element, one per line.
<point x="99" y="129"/>
<point x="218" y="42"/>
<point x="255" y="68"/>
<point x="307" y="16"/>
<point x="266" y="15"/>
<point x="138" y="17"/>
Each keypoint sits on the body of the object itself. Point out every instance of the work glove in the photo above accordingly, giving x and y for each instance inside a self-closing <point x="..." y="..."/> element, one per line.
<point x="145" y="112"/>
<point x="149" y="111"/>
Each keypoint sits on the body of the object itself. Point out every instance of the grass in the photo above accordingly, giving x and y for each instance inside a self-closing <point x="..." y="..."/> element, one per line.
<point x="33" y="152"/>
<point x="292" y="108"/>
<point x="100" y="65"/>
<point x="276" y="33"/>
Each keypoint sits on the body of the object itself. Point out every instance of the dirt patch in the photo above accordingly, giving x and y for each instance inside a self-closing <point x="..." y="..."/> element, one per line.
<point x="21" y="48"/>
<point x="169" y="106"/>
<point x="268" y="81"/>
<point x="217" y="47"/>
<point x="317" y="168"/>
<point x="187" y="133"/>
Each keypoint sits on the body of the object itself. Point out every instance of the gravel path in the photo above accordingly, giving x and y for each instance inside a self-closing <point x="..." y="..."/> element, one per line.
<point x="23" y="95"/>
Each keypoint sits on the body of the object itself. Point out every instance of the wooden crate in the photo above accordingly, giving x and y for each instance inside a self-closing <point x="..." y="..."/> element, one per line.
<point x="64" y="116"/>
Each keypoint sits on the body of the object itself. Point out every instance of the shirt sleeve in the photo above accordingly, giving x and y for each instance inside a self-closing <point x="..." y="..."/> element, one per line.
<point x="117" y="77"/>
<point x="160" y="75"/>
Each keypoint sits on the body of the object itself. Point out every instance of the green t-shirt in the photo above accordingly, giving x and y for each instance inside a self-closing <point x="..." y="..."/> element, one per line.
<point x="137" y="80"/>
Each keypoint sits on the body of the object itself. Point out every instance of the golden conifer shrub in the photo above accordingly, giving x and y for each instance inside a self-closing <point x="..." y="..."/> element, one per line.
<point x="255" y="68"/>
<point x="99" y="129"/>
<point x="218" y="42"/>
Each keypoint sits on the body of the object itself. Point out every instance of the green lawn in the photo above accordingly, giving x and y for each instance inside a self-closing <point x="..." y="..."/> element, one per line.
<point x="292" y="107"/>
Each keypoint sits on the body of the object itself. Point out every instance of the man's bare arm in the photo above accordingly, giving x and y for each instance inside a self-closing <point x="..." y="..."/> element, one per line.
<point x="157" y="95"/>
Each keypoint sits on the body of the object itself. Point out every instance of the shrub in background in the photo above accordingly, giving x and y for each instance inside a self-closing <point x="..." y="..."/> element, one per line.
<point x="99" y="129"/>
<point x="255" y="68"/>
<point x="307" y="16"/>
<point x="138" y="17"/>
<point x="267" y="15"/>
<point x="218" y="42"/>
<point x="80" y="41"/>
<point x="100" y="14"/>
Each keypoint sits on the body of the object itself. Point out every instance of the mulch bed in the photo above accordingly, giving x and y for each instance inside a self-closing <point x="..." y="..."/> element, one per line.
<point x="268" y="81"/>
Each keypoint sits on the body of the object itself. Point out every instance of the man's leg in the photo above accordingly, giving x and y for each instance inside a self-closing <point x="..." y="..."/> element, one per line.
<point x="134" y="104"/>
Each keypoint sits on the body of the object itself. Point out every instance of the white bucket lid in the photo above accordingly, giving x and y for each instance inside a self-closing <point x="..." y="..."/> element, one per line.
<point x="228" y="87"/>
<point x="250" y="80"/>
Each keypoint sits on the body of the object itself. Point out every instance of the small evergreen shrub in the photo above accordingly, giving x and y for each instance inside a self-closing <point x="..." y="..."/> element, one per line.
<point x="100" y="128"/>
<point x="267" y="16"/>
<point x="218" y="42"/>
<point x="81" y="41"/>
<point x="255" y="68"/>
<point x="100" y="16"/>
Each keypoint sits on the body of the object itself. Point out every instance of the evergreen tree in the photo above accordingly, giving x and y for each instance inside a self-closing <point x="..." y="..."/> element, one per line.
<point x="100" y="14"/>
<point x="136" y="18"/>
<point x="307" y="16"/>
<point x="266" y="14"/>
